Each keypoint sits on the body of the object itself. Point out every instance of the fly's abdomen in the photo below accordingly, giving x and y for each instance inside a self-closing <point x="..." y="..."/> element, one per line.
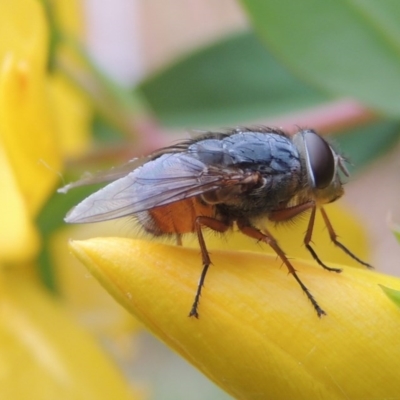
<point x="175" y="218"/>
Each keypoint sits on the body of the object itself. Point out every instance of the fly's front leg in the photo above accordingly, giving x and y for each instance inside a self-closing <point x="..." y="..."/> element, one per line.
<point x="215" y="225"/>
<point x="333" y="236"/>
<point x="266" y="237"/>
<point x="307" y="240"/>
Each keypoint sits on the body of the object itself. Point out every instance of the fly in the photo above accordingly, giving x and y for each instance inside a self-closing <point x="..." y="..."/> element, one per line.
<point x="219" y="180"/>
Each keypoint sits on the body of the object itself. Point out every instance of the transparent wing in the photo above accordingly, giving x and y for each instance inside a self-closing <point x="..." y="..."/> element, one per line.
<point x="169" y="178"/>
<point x="105" y="176"/>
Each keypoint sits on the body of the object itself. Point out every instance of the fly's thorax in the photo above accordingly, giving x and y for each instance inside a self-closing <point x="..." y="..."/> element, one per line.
<point x="320" y="168"/>
<point x="273" y="191"/>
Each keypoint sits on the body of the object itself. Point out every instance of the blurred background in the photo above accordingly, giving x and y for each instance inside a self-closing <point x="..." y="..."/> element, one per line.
<point x="141" y="74"/>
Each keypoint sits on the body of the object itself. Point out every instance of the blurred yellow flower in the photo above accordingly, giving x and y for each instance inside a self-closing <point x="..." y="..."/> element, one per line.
<point x="73" y="116"/>
<point x="73" y="112"/>
<point x="40" y="347"/>
<point x="27" y="136"/>
<point x="257" y="336"/>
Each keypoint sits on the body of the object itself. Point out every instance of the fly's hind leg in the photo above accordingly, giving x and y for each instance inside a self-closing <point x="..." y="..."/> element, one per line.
<point x="266" y="237"/>
<point x="215" y="225"/>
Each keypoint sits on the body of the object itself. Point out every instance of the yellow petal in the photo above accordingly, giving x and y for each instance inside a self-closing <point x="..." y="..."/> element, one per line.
<point x="69" y="16"/>
<point x="19" y="239"/>
<point x="72" y="110"/>
<point x="29" y="159"/>
<point x="73" y="116"/>
<point x="257" y="336"/>
<point x="44" y="356"/>
<point x="26" y="126"/>
<point x="23" y="30"/>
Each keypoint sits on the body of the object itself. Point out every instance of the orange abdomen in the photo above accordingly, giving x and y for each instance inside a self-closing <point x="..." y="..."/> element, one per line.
<point x="175" y="218"/>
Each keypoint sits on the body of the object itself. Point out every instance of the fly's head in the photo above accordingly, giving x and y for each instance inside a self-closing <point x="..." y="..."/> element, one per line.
<point x="321" y="165"/>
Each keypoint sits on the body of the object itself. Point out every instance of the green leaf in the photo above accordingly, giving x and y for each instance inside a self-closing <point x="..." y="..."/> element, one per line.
<point x="104" y="132"/>
<point x="393" y="294"/>
<point x="52" y="215"/>
<point x="349" y="48"/>
<point x="229" y="82"/>
<point x="49" y="220"/>
<point x="364" y="144"/>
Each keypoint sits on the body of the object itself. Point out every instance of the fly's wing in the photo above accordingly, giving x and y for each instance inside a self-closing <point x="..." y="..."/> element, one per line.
<point x="105" y="176"/>
<point x="169" y="178"/>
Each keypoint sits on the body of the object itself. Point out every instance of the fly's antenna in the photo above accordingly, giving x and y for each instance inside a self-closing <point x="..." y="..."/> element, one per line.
<point x="44" y="163"/>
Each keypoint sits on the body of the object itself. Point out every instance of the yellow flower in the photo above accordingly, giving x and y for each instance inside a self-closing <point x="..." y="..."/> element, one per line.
<point x="29" y="152"/>
<point x="257" y="336"/>
<point x="43" y="354"/>
<point x="72" y="109"/>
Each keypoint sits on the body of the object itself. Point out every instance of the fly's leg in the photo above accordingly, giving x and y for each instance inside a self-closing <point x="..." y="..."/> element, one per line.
<point x="266" y="237"/>
<point x="307" y="240"/>
<point x="291" y="212"/>
<point x="215" y="225"/>
<point x="178" y="238"/>
<point x="333" y="236"/>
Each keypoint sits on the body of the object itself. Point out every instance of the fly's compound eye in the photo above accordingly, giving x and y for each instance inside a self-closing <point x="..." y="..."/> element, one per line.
<point x="320" y="159"/>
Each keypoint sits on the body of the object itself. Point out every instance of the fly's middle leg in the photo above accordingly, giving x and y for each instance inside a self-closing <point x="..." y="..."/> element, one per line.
<point x="266" y="237"/>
